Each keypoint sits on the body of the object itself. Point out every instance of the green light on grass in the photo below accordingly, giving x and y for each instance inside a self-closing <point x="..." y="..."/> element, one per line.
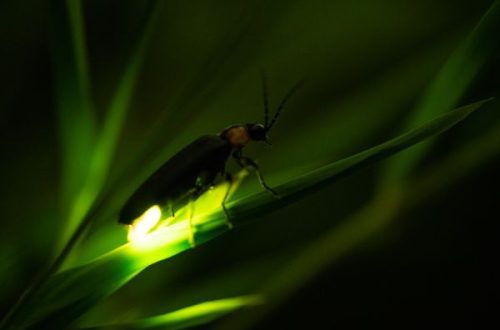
<point x="203" y="312"/>
<point x="151" y="233"/>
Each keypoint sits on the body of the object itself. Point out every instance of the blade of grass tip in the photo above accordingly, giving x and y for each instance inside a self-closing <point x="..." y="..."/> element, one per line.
<point x="113" y="122"/>
<point x="74" y="107"/>
<point x="69" y="294"/>
<point x="108" y="137"/>
<point x="121" y="99"/>
<point x="314" y="180"/>
<point x="449" y="85"/>
<point x="385" y="96"/>
<point x="194" y="315"/>
<point x="72" y="88"/>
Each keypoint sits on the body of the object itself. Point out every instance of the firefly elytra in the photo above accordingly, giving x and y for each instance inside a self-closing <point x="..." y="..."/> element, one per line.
<point x="195" y="168"/>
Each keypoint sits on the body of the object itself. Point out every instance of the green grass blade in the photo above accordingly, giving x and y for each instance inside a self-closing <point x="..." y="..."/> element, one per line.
<point x="72" y="92"/>
<point x="450" y="84"/>
<point x="189" y="316"/>
<point x="75" y="110"/>
<point x="120" y="103"/>
<point x="314" y="180"/>
<point x="107" y="138"/>
<point x="71" y="293"/>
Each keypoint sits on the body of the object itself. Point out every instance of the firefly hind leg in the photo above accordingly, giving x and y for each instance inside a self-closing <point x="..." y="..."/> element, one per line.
<point x="229" y="179"/>
<point x="246" y="162"/>
<point x="199" y="188"/>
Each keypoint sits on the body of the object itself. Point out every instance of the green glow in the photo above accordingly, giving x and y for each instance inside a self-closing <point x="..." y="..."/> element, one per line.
<point x="202" y="312"/>
<point x="172" y="234"/>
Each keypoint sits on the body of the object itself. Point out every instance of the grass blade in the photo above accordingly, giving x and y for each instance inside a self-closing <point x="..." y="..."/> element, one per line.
<point x="189" y="316"/>
<point x="105" y="143"/>
<point x="71" y="293"/>
<point x="315" y="180"/>
<point x="450" y="84"/>
<point x="75" y="108"/>
<point x="120" y="102"/>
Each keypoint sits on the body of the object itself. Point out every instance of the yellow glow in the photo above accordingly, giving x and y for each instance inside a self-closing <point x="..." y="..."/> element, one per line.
<point x="143" y="225"/>
<point x="176" y="232"/>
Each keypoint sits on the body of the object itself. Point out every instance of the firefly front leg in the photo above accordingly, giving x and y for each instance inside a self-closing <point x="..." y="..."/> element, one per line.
<point x="245" y="162"/>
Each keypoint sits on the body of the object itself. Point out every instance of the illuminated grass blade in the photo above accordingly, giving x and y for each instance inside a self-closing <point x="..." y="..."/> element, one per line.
<point x="189" y="316"/>
<point x="71" y="293"/>
<point x="450" y="84"/>
<point x="72" y="94"/>
<point x="120" y="102"/>
<point x="106" y="140"/>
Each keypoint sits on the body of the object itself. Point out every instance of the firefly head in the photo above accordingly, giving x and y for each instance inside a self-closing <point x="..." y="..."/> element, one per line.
<point x="239" y="135"/>
<point x="257" y="132"/>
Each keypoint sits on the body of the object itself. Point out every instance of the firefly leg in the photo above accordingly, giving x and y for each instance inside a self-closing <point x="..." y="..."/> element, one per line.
<point x="229" y="179"/>
<point x="192" y="241"/>
<point x="246" y="162"/>
<point x="193" y="196"/>
<point x="171" y="208"/>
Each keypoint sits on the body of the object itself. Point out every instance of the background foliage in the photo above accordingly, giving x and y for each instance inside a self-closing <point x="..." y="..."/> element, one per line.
<point x="98" y="94"/>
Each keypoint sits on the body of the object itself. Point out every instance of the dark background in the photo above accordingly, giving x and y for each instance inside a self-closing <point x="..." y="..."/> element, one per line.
<point x="366" y="65"/>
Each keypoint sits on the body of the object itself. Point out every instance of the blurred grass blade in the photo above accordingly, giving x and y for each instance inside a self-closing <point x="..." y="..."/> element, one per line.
<point x="189" y="316"/>
<point x="107" y="138"/>
<point x="120" y="103"/>
<point x="72" y="93"/>
<point x="450" y="84"/>
<point x="71" y="293"/>
<point x="476" y="153"/>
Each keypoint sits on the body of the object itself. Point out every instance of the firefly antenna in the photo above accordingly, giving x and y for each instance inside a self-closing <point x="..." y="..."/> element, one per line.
<point x="283" y="103"/>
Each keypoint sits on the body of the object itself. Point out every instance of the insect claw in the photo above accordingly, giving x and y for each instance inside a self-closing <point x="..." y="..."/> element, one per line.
<point x="269" y="189"/>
